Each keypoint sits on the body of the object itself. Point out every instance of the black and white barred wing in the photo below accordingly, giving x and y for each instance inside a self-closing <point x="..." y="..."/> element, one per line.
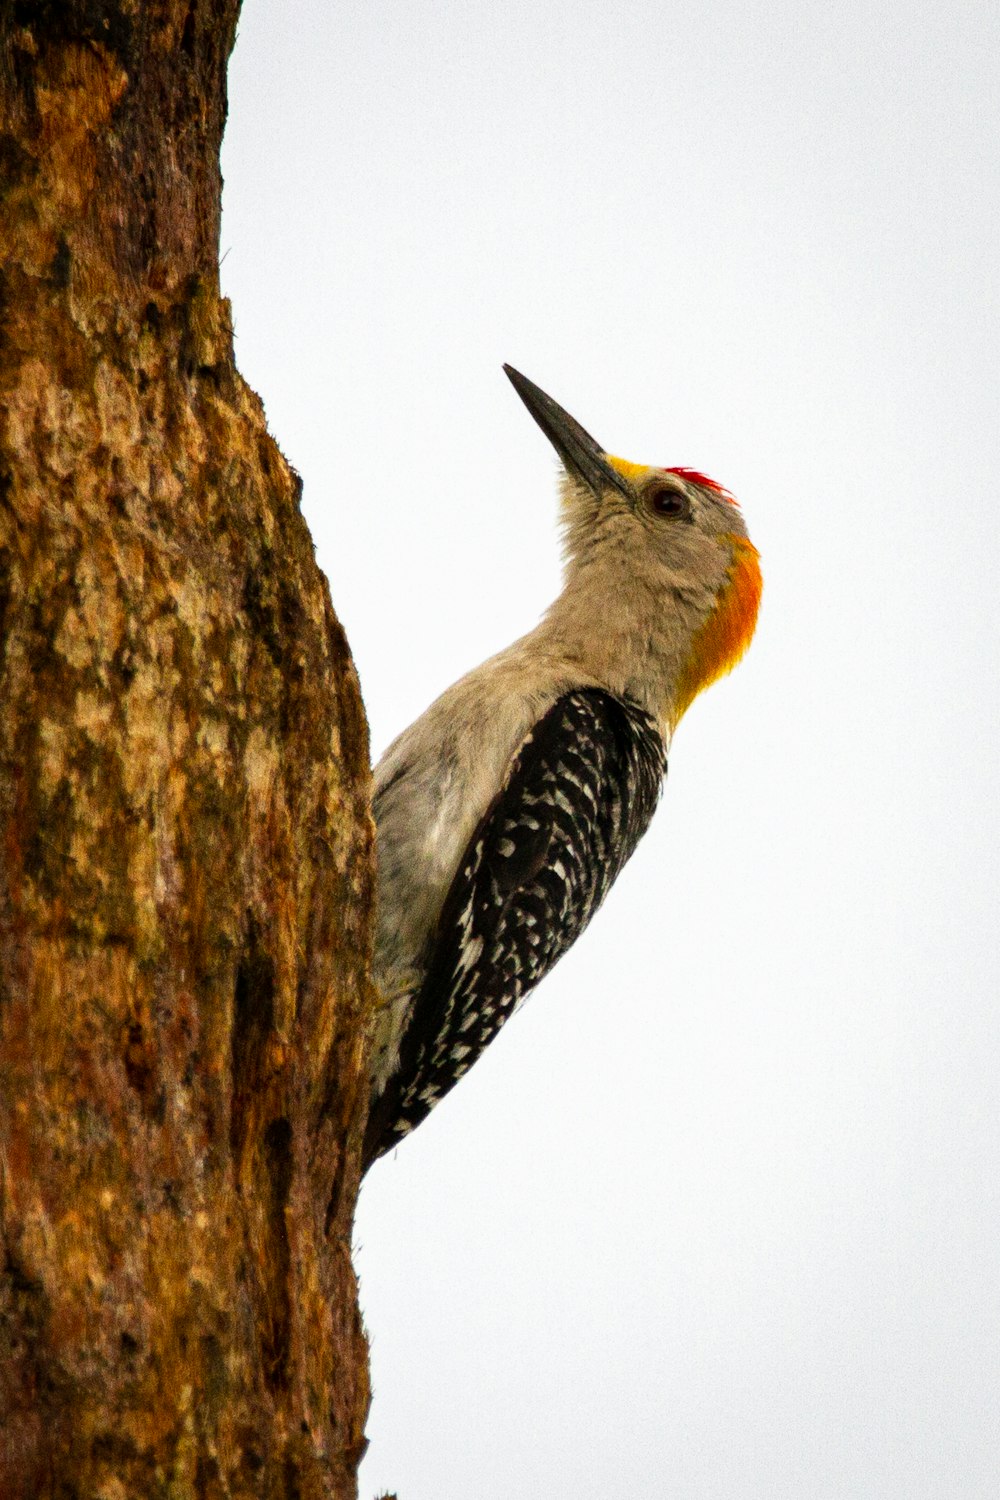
<point x="579" y="796"/>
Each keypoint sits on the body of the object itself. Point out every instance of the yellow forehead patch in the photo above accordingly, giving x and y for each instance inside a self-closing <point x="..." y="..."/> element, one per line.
<point x="728" y="631"/>
<point x="627" y="470"/>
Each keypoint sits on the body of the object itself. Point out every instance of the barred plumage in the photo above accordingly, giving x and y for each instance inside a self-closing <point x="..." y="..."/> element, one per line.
<point x="580" y="794"/>
<point x="506" y="811"/>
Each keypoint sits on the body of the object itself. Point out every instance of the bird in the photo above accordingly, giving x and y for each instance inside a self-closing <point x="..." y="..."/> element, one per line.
<point x="506" y="811"/>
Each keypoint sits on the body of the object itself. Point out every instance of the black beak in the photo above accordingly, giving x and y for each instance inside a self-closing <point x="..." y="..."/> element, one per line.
<point x="577" y="449"/>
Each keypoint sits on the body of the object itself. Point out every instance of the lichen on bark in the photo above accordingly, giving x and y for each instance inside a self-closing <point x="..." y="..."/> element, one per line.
<point x="186" y="859"/>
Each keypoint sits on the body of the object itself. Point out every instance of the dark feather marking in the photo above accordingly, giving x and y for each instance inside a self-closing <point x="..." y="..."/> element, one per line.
<point x="579" y="796"/>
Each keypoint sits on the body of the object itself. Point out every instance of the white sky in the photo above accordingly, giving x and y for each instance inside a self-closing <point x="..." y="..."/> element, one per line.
<point x="716" y="1217"/>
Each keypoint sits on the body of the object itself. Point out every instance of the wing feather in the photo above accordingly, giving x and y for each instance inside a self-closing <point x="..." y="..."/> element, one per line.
<point x="579" y="795"/>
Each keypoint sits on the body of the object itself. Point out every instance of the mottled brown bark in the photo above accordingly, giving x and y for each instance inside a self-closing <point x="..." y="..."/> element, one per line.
<point x="185" y="846"/>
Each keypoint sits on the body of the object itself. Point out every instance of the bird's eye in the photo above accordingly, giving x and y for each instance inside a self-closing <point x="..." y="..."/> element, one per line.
<point x="669" y="503"/>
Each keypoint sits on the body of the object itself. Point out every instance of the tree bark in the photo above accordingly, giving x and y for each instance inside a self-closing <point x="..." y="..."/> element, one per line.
<point x="186" y="861"/>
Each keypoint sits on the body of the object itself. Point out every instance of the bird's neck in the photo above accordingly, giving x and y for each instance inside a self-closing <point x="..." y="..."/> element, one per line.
<point x="637" y="646"/>
<point x="652" y="636"/>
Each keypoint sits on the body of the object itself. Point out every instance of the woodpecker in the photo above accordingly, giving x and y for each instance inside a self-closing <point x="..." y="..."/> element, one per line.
<point x="507" y="810"/>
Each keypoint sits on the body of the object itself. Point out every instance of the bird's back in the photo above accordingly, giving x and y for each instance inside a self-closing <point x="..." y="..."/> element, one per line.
<point x="507" y="810"/>
<point x="580" y="793"/>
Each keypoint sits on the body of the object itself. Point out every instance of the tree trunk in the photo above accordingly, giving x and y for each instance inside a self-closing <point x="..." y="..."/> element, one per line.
<point x="186" y="866"/>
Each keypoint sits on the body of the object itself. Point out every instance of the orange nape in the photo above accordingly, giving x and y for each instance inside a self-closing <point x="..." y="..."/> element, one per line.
<point x="727" y="632"/>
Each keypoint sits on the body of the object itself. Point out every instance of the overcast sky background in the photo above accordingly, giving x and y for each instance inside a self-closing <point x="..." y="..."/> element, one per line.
<point x="717" y="1215"/>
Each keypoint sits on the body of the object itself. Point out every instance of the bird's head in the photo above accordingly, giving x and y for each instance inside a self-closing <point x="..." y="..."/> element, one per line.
<point x="672" y="538"/>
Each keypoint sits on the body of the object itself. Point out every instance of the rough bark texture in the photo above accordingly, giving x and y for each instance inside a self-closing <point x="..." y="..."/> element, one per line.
<point x="185" y="847"/>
